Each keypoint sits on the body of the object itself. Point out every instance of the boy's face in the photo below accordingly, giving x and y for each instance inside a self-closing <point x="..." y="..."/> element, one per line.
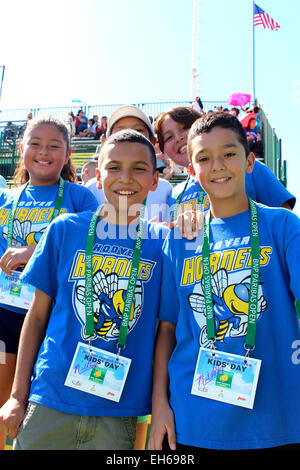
<point x="131" y="123"/>
<point x="219" y="164"/>
<point x="126" y="176"/>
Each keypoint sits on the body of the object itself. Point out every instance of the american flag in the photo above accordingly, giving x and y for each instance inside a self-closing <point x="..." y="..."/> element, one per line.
<point x="262" y="18"/>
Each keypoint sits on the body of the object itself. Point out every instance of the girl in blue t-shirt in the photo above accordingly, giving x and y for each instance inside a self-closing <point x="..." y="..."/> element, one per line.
<point x="45" y="162"/>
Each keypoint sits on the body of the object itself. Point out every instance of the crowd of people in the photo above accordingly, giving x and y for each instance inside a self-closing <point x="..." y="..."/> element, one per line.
<point x="88" y="270"/>
<point x="82" y="126"/>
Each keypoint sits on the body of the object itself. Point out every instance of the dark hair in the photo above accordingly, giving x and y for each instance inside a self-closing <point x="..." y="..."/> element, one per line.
<point x="131" y="136"/>
<point x="211" y="120"/>
<point x="68" y="172"/>
<point x="181" y="114"/>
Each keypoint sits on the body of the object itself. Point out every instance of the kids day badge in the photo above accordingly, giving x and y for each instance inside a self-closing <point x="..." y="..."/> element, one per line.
<point x="14" y="291"/>
<point x="98" y="372"/>
<point x="226" y="377"/>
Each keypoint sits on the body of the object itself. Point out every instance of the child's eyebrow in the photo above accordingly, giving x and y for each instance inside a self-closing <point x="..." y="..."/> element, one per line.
<point x="143" y="162"/>
<point x="39" y="138"/>
<point x="223" y="146"/>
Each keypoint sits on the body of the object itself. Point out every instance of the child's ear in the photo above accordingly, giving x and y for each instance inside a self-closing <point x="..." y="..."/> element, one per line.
<point x="154" y="181"/>
<point x="68" y="155"/>
<point x="21" y="149"/>
<point x="250" y="162"/>
<point x="98" y="178"/>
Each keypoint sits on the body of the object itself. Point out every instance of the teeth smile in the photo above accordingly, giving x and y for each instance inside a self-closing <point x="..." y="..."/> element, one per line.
<point x="125" y="193"/>
<point x="220" y="180"/>
<point x="183" y="149"/>
<point x="43" y="163"/>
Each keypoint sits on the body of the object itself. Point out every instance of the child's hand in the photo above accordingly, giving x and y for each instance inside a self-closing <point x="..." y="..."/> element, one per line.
<point x="162" y="423"/>
<point x="15" y="257"/>
<point x="189" y="223"/>
<point x="11" y="416"/>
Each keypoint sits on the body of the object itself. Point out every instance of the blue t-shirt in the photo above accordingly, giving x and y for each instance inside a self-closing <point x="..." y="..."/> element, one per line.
<point x="34" y="212"/>
<point x="274" y="420"/>
<point x="261" y="186"/>
<point x="57" y="268"/>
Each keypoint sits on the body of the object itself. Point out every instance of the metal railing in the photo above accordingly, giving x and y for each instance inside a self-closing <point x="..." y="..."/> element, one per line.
<point x="273" y="149"/>
<point x="9" y="151"/>
<point x="151" y="109"/>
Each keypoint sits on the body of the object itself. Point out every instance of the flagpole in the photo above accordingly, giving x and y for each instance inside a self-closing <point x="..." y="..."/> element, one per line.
<point x="253" y="51"/>
<point x="195" y="39"/>
<point x="2" y="78"/>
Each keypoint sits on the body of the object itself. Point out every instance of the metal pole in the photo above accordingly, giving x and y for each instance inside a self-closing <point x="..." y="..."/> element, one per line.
<point x="194" y="71"/>
<point x="2" y="78"/>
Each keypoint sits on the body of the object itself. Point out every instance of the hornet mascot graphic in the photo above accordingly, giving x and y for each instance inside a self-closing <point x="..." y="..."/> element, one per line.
<point x="23" y="234"/>
<point x="109" y="293"/>
<point x="230" y="307"/>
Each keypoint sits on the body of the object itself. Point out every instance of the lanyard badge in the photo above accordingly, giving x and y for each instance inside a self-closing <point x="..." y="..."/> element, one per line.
<point x="14" y="291"/>
<point x="220" y="375"/>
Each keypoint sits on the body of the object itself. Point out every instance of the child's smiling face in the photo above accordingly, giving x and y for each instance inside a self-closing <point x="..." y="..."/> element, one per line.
<point x="126" y="176"/>
<point x="44" y="151"/>
<point x="175" y="140"/>
<point x="219" y="163"/>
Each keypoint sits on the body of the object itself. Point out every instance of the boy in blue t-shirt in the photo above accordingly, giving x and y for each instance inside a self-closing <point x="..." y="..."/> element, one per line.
<point x="84" y="371"/>
<point x="226" y="285"/>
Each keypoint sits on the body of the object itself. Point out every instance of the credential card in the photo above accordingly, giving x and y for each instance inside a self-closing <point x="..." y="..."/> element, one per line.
<point x="226" y="377"/>
<point x="14" y="291"/>
<point x="98" y="372"/>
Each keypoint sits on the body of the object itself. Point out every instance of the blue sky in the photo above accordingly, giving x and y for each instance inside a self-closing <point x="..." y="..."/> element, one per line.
<point x="133" y="51"/>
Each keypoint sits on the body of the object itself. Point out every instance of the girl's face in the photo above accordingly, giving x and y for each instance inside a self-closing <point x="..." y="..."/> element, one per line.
<point x="175" y="141"/>
<point x="252" y="123"/>
<point x="44" y="151"/>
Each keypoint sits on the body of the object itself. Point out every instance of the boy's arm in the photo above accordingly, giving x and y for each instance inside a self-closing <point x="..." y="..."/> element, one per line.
<point x="32" y="334"/>
<point x="162" y="421"/>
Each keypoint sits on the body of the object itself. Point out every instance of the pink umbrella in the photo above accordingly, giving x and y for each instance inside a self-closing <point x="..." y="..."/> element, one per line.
<point x="239" y="99"/>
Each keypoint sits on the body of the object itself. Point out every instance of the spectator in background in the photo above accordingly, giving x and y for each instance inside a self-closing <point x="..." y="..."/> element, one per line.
<point x="101" y="128"/>
<point x="90" y="131"/>
<point x="81" y="122"/>
<point x="197" y="105"/>
<point x="254" y="138"/>
<point x="88" y="171"/>
<point x="235" y="111"/>
<point x="70" y="123"/>
<point x="9" y="131"/>
<point x="96" y="120"/>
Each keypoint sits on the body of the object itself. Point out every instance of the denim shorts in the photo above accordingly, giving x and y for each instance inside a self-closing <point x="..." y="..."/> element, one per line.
<point x="44" y="428"/>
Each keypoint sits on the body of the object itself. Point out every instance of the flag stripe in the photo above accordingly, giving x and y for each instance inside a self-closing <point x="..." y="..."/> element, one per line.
<point x="262" y="18"/>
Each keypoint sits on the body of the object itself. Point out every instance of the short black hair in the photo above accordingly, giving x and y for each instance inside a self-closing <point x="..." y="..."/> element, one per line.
<point x="131" y="136"/>
<point x="217" y="119"/>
